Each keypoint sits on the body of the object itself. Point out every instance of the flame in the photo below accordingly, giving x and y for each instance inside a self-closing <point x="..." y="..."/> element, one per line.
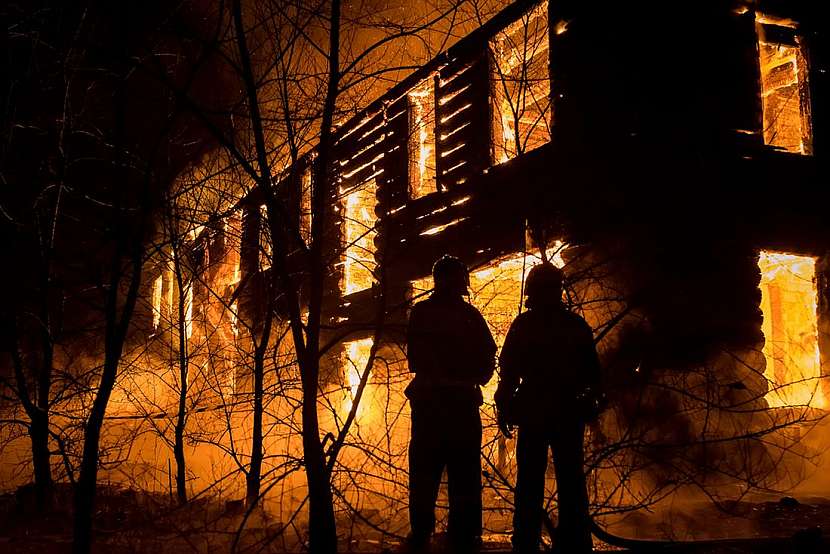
<point x="194" y="233"/>
<point x="439" y="228"/>
<point x="188" y="311"/>
<point x="521" y="103"/>
<point x="360" y="234"/>
<point x="790" y="325"/>
<point x="167" y="304"/>
<point x="305" y="206"/>
<point x="356" y="357"/>
<point x="264" y="239"/>
<point x="156" y="300"/>
<point x="233" y="251"/>
<point x="785" y="94"/>
<point x="422" y="170"/>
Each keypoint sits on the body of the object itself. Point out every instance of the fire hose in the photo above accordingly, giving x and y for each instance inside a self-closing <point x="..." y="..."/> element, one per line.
<point x="804" y="541"/>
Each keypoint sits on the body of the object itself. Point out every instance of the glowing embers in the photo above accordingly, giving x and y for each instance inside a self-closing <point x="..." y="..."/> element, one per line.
<point x="784" y="89"/>
<point x="422" y="139"/>
<point x="521" y="86"/>
<point x="790" y="326"/>
<point x="360" y="232"/>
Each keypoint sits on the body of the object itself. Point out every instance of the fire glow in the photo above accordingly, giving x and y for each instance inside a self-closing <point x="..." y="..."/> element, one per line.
<point x="422" y="141"/>
<point x="521" y="100"/>
<point x="784" y="88"/>
<point x="790" y="326"/>
<point x="360" y="219"/>
<point x="356" y="354"/>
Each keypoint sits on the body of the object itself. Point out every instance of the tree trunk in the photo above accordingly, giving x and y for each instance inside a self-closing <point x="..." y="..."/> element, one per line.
<point x="38" y="426"/>
<point x="39" y="434"/>
<point x="129" y="244"/>
<point x="322" y="528"/>
<point x="321" y="524"/>
<point x="183" y="359"/>
<point x="178" y="453"/>
<point x="85" y="489"/>
<point x="253" y="479"/>
<point x="116" y="333"/>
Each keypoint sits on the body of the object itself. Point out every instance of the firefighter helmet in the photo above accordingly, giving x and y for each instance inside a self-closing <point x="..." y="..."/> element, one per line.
<point x="544" y="279"/>
<point x="450" y="274"/>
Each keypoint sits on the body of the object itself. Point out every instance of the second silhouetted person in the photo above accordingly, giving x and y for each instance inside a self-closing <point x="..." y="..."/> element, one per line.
<point x="549" y="387"/>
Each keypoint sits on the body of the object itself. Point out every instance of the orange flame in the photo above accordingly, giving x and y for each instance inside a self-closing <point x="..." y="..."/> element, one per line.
<point x="788" y="302"/>
<point x="360" y="234"/>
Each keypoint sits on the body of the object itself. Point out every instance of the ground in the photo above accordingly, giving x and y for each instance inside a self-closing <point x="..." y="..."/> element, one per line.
<point x="130" y="521"/>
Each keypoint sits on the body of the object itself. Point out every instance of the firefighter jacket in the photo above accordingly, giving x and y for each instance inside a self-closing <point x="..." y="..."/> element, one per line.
<point x="548" y="367"/>
<point x="450" y="350"/>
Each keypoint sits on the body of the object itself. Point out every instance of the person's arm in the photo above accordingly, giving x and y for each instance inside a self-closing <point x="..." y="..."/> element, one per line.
<point x="487" y="350"/>
<point x="509" y="367"/>
<point x="592" y="396"/>
<point x="416" y="348"/>
<point x="509" y="378"/>
<point x="591" y="364"/>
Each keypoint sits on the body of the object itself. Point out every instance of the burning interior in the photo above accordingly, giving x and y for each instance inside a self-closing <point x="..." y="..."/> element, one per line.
<point x="422" y="139"/>
<point x="785" y="89"/>
<point x="789" y="304"/>
<point x="521" y="103"/>
<point x="359" y="225"/>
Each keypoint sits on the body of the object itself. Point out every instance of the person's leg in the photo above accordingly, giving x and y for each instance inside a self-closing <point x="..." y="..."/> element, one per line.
<point x="425" y="466"/>
<point x="531" y="461"/>
<point x="463" y="445"/>
<point x="574" y="530"/>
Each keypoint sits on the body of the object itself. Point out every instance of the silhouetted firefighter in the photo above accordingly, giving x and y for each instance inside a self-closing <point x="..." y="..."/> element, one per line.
<point x="452" y="353"/>
<point x="549" y="378"/>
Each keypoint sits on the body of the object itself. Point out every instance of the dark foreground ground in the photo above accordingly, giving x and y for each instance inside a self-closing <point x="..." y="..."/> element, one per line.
<point x="129" y="522"/>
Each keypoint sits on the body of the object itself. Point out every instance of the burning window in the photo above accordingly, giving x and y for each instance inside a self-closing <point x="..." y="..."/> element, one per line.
<point x="521" y="86"/>
<point x="230" y="274"/>
<point x="264" y="239"/>
<point x="785" y="88"/>
<point x="790" y="326"/>
<point x="158" y="284"/>
<point x="359" y="224"/>
<point x="422" y="139"/>
<point x="223" y="277"/>
<point x="188" y="311"/>
<point x="305" y="205"/>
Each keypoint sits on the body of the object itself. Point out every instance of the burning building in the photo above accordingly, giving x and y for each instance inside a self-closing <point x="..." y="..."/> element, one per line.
<point x="674" y="171"/>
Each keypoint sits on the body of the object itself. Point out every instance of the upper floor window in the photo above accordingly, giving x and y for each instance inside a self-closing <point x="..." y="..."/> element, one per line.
<point x="785" y="87"/>
<point x="305" y="204"/>
<point x="156" y="300"/>
<point x="521" y="86"/>
<point x="422" y="139"/>
<point x="265" y="249"/>
<point x="229" y="273"/>
<point x="360" y="221"/>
